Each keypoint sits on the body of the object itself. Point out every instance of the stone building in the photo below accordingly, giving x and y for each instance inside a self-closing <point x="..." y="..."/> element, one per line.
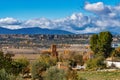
<point x="54" y="52"/>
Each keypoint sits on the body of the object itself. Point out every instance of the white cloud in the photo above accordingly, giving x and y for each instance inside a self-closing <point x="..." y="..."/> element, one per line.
<point x="9" y="21"/>
<point x="108" y="23"/>
<point x="95" y="6"/>
<point x="112" y="15"/>
<point x="108" y="18"/>
<point x="91" y="30"/>
<point x="117" y="8"/>
<point x="42" y="22"/>
<point x="12" y="26"/>
<point x="76" y="16"/>
<point x="98" y="8"/>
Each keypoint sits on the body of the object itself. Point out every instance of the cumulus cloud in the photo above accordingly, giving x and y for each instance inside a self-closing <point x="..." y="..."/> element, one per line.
<point x="42" y="22"/>
<point x="10" y="23"/>
<point x="106" y="18"/>
<point x="95" y="6"/>
<point x="98" y="8"/>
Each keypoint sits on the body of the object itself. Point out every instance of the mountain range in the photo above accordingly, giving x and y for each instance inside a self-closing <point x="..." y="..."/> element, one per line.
<point x="35" y="30"/>
<point x="77" y="23"/>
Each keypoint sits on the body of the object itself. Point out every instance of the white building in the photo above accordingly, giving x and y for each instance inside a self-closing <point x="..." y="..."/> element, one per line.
<point x="116" y="63"/>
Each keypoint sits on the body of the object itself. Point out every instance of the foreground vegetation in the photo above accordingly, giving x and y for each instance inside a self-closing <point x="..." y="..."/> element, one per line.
<point x="97" y="75"/>
<point x="46" y="67"/>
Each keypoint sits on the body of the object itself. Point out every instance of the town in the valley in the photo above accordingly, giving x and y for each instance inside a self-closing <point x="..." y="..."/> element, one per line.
<point x="68" y="52"/>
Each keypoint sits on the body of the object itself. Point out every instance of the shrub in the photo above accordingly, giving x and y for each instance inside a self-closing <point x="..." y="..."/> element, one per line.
<point x="5" y="76"/>
<point x="72" y="75"/>
<point x="5" y="61"/>
<point x="81" y="78"/>
<point x="40" y="65"/>
<point x="19" y="65"/>
<point x="54" y="73"/>
<point x="37" y="70"/>
<point x="96" y="63"/>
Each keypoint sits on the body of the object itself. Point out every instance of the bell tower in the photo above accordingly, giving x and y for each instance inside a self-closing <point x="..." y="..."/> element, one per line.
<point x="54" y="52"/>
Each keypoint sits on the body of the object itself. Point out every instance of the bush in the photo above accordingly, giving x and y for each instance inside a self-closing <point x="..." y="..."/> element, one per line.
<point x="48" y="60"/>
<point x="38" y="69"/>
<point x="5" y="61"/>
<point x="72" y="75"/>
<point x="76" y="59"/>
<point x="18" y="78"/>
<point x="40" y="65"/>
<point x="5" y="76"/>
<point x="19" y="65"/>
<point x="81" y="78"/>
<point x="54" y="73"/>
<point x="96" y="63"/>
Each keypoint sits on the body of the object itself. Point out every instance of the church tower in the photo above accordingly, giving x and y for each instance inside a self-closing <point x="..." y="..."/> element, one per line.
<point x="54" y="52"/>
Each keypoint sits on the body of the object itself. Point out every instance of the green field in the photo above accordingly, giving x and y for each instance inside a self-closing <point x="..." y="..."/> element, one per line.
<point x="95" y="75"/>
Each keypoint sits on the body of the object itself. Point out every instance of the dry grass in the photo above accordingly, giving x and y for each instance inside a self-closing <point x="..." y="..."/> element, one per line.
<point x="30" y="57"/>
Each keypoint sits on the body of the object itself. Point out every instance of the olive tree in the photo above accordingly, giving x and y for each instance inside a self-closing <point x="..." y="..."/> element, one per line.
<point x="39" y="67"/>
<point x="54" y="73"/>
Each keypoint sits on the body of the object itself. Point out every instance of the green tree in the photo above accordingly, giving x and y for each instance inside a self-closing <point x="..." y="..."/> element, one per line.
<point x="101" y="43"/>
<point x="19" y="66"/>
<point x="94" y="43"/>
<point x="5" y="61"/>
<point x="104" y="42"/>
<point x="54" y="73"/>
<point x="39" y="67"/>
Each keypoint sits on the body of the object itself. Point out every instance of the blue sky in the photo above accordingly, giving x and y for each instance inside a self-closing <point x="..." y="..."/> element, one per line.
<point x="28" y="9"/>
<point x="25" y="9"/>
<point x="77" y="16"/>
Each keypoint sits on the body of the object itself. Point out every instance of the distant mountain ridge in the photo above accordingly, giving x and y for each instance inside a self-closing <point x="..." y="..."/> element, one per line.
<point x="35" y="30"/>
